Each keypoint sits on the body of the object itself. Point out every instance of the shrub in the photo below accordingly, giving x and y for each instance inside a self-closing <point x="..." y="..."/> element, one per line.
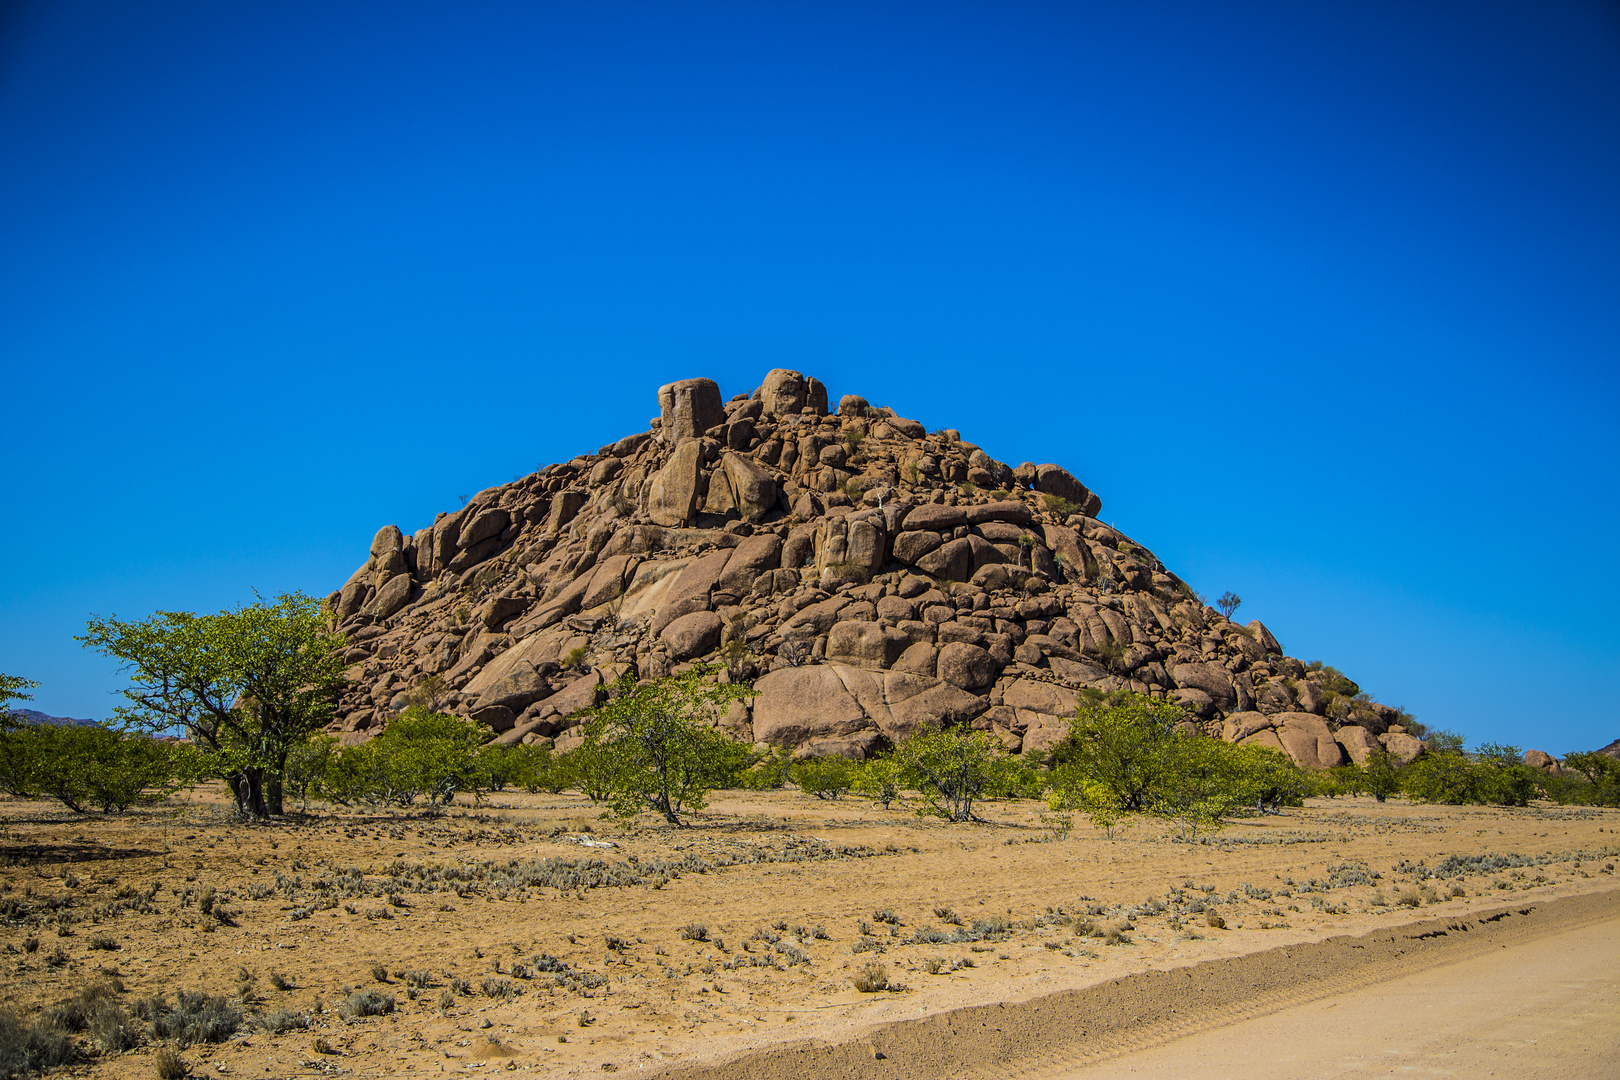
<point x="282" y="1021"/>
<point x="823" y="777"/>
<point x="1059" y="507"/>
<point x="92" y="766"/>
<point x="951" y="768"/>
<point x="170" y="1065"/>
<point x="196" y="1017"/>
<point x="666" y="757"/>
<point x="695" y="932"/>
<point x="879" y="779"/>
<point x="32" y="1044"/>
<point x="96" y="1010"/>
<point x="367" y="1002"/>
<point x="418" y="755"/>
<point x="872" y="978"/>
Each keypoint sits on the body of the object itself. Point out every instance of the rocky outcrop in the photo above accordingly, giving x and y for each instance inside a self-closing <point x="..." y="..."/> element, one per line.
<point x="868" y="575"/>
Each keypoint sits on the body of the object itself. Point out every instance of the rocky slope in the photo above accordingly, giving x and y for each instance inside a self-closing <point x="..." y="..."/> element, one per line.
<point x="867" y="575"/>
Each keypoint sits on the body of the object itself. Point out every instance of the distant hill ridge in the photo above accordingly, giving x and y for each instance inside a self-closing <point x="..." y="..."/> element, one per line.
<point x="869" y="575"/>
<point x="34" y="716"/>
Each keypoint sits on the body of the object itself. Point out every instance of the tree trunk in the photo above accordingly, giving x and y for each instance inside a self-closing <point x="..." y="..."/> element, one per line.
<point x="273" y="796"/>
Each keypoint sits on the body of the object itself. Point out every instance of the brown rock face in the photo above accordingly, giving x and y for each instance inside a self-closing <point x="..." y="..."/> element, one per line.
<point x="689" y="408"/>
<point x="849" y="565"/>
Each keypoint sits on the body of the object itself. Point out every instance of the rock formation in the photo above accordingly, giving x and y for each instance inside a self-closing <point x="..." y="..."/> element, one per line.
<point x="867" y="575"/>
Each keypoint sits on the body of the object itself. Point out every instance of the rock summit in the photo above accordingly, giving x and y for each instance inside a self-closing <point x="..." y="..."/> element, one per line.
<point x="868" y="576"/>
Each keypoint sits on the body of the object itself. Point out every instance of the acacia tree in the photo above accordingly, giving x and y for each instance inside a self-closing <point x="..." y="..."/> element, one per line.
<point x="245" y="686"/>
<point x="951" y="768"/>
<point x="657" y="737"/>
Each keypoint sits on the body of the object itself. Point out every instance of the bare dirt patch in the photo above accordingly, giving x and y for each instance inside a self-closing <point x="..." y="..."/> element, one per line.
<point x="512" y="936"/>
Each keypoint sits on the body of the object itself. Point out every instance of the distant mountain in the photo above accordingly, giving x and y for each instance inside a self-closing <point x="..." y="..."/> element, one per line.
<point x="1613" y="749"/>
<point x="34" y="716"/>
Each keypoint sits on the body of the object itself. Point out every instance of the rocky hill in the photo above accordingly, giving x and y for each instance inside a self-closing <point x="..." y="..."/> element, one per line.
<point x="869" y="576"/>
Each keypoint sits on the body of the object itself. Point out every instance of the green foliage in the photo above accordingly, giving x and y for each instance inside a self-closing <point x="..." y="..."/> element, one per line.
<point x="769" y="772"/>
<point x="92" y="766"/>
<point x="823" y="777"/>
<point x="1059" y="507"/>
<point x="952" y="768"/>
<point x="1229" y="602"/>
<point x="307" y="766"/>
<point x="1123" y="754"/>
<point x="246" y="685"/>
<point x="1603" y="772"/>
<point x="418" y="755"/>
<point x="11" y="689"/>
<point x="1122" y="742"/>
<point x="664" y="754"/>
<point x="879" y="779"/>
<point x="1491" y="775"/>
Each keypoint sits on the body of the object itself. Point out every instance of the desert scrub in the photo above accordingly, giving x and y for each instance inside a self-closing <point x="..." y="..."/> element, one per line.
<point x="282" y="1021"/>
<point x="169" y="1065"/>
<point x="694" y="932"/>
<point x="196" y="1017"/>
<point x="96" y="1011"/>
<point x="368" y="1002"/>
<point x="871" y="979"/>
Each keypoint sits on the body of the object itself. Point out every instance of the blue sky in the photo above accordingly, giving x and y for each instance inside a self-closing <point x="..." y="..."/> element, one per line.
<point x="1324" y="300"/>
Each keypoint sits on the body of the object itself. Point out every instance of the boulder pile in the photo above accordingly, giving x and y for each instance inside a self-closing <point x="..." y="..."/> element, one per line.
<point x="868" y="577"/>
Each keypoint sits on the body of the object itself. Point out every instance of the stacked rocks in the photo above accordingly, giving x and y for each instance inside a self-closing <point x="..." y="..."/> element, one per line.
<point x="868" y="575"/>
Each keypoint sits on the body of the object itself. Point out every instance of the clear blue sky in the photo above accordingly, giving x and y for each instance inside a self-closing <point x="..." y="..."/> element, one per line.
<point x="1323" y="299"/>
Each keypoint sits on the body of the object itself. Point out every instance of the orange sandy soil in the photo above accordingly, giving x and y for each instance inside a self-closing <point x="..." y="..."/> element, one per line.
<point x="639" y="995"/>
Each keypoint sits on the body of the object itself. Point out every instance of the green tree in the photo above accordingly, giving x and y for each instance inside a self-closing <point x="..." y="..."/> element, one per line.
<point x="879" y="779"/>
<point x="1602" y="771"/>
<point x="951" y="768"/>
<point x="1379" y="775"/>
<point x="307" y="766"/>
<point x="1123" y="742"/>
<point x="669" y="756"/>
<point x="246" y="685"/>
<point x="824" y="777"/>
<point x="420" y="754"/>
<point x="85" y="766"/>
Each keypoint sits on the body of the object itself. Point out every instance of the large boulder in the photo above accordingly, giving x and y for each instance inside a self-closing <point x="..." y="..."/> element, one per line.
<point x="395" y="594"/>
<point x="952" y="562"/>
<point x="1240" y="726"/>
<point x="966" y="666"/>
<point x="1403" y="749"/>
<point x="833" y="700"/>
<point x="693" y="635"/>
<point x="1308" y="740"/>
<point x="1058" y="481"/>
<point x="743" y="486"/>
<point x="521" y="687"/>
<point x="673" y="493"/>
<point x="755" y="556"/>
<point x="688" y="408"/>
<point x="788" y="393"/>
<point x="1358" y="743"/>
<point x="865" y="644"/>
<point x="1212" y="679"/>
<point x="796" y="704"/>
<point x="1043" y="711"/>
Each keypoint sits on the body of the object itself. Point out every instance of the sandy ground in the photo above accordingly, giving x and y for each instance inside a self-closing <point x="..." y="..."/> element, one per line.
<point x="511" y="941"/>
<point x="1546" y="1008"/>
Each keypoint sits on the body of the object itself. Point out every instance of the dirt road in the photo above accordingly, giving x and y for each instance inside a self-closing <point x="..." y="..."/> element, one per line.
<point x="1528" y="990"/>
<point x="1544" y="1010"/>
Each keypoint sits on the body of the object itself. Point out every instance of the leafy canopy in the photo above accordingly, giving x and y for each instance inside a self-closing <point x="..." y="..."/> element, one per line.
<point x="656" y="746"/>
<point x="246" y="685"/>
